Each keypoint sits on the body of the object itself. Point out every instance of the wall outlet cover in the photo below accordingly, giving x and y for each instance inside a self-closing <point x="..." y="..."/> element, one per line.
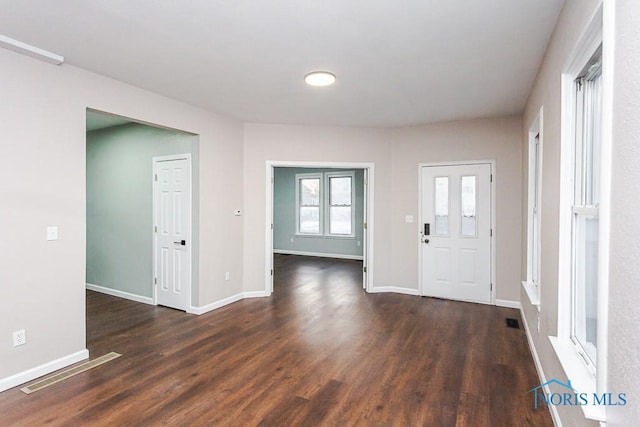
<point x="19" y="338"/>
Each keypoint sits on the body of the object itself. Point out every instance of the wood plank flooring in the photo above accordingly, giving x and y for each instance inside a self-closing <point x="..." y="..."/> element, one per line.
<point x="320" y="351"/>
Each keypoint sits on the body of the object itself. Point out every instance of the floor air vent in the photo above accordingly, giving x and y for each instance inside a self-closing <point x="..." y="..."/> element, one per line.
<point x="56" y="378"/>
<point x="513" y="323"/>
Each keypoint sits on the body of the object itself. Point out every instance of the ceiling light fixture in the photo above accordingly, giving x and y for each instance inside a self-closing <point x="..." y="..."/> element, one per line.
<point x="32" y="51"/>
<point x="320" y="78"/>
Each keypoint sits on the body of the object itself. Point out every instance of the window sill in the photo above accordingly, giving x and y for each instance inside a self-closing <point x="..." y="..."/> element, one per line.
<point x="532" y="293"/>
<point x="577" y="372"/>
<point x="323" y="236"/>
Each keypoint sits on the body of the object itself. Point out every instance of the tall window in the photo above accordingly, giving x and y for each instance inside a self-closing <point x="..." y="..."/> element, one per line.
<point x="340" y="204"/>
<point x="324" y="204"/>
<point x="308" y="191"/>
<point x="585" y="208"/>
<point x="532" y="285"/>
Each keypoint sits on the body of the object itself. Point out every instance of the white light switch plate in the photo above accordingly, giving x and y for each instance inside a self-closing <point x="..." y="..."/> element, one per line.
<point x="52" y="233"/>
<point x="408" y="218"/>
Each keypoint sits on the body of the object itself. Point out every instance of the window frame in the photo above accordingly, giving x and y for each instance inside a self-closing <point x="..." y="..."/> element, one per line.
<point x="598" y="32"/>
<point x="535" y="151"/>
<point x="327" y="214"/>
<point x="299" y="177"/>
<point x="582" y="206"/>
<point x="324" y="203"/>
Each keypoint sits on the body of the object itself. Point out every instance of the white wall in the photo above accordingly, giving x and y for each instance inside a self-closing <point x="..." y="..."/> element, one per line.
<point x="546" y="91"/>
<point x="396" y="154"/>
<point x="318" y="144"/>
<point x="42" y="117"/>
<point x="483" y="139"/>
<point x="624" y="292"/>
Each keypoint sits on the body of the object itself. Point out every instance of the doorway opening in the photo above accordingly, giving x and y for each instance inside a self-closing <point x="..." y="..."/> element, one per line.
<point x="137" y="176"/>
<point x="319" y="210"/>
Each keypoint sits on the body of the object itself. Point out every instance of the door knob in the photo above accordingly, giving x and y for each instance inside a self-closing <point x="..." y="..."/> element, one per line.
<point x="181" y="242"/>
<point x="426" y="241"/>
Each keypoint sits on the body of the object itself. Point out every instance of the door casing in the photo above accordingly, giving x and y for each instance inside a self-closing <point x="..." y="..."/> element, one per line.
<point x="367" y="240"/>
<point x="492" y="219"/>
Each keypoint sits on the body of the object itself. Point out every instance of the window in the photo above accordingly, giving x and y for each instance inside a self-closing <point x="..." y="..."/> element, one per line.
<point x="324" y="204"/>
<point x="585" y="208"/>
<point x="308" y="190"/>
<point x="532" y="284"/>
<point x="583" y="228"/>
<point x="340" y="204"/>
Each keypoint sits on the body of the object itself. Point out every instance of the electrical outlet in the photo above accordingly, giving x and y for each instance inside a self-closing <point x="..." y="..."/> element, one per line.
<point x="292" y="240"/>
<point x="358" y="242"/>
<point x="52" y="233"/>
<point x="19" y="338"/>
<point x="227" y="276"/>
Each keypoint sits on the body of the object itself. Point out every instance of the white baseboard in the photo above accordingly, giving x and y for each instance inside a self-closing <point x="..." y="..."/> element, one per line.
<point x="507" y="303"/>
<point x="38" y="371"/>
<point x="226" y="301"/>
<point x="555" y="417"/>
<point x="255" y="294"/>
<point x="394" y="289"/>
<point x="216" y="304"/>
<point x="120" y="294"/>
<point x="317" y="254"/>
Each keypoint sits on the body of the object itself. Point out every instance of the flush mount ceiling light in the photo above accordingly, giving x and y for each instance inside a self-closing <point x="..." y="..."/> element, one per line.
<point x="320" y="78"/>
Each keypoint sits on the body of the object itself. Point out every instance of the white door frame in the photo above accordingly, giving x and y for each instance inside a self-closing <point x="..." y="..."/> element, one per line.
<point x="493" y="220"/>
<point x="367" y="241"/>
<point x="154" y="285"/>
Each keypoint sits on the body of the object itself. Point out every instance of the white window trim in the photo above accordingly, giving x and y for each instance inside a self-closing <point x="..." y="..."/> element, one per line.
<point x="599" y="31"/>
<point x="532" y="287"/>
<point x="327" y="199"/>
<point x="299" y="177"/>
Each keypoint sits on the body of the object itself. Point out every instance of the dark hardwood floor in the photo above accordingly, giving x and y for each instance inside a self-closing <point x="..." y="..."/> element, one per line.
<point x="320" y="351"/>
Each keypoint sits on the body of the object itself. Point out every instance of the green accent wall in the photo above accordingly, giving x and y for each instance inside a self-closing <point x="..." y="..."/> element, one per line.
<point x="284" y="216"/>
<point x="120" y="204"/>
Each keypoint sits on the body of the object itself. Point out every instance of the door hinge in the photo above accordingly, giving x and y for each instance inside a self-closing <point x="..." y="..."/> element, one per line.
<point x="491" y="179"/>
<point x="491" y="232"/>
<point x="364" y="225"/>
<point x="272" y="226"/>
<point x="155" y="280"/>
<point x="272" y="271"/>
<point x="155" y="177"/>
<point x="155" y="228"/>
<point x="364" y="269"/>
<point x="491" y="289"/>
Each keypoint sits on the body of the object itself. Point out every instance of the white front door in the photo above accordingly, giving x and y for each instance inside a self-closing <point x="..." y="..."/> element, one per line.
<point x="456" y="232"/>
<point x="172" y="230"/>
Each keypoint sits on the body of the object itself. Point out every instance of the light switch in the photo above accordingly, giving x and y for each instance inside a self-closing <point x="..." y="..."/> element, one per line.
<point x="52" y="233"/>
<point x="408" y="218"/>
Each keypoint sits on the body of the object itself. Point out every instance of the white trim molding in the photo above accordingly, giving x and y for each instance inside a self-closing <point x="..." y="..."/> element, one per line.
<point x="394" y="289"/>
<point x="214" y="305"/>
<point x="120" y="294"/>
<point x="44" y="369"/>
<point x="317" y="254"/>
<point x="367" y="239"/>
<point x="226" y="301"/>
<point x="507" y="303"/>
<point x="555" y="417"/>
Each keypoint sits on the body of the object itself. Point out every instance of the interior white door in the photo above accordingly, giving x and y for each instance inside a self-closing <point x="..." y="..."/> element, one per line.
<point x="456" y="232"/>
<point x="172" y="231"/>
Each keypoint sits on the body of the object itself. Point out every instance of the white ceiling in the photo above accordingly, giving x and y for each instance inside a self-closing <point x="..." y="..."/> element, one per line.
<point x="398" y="62"/>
